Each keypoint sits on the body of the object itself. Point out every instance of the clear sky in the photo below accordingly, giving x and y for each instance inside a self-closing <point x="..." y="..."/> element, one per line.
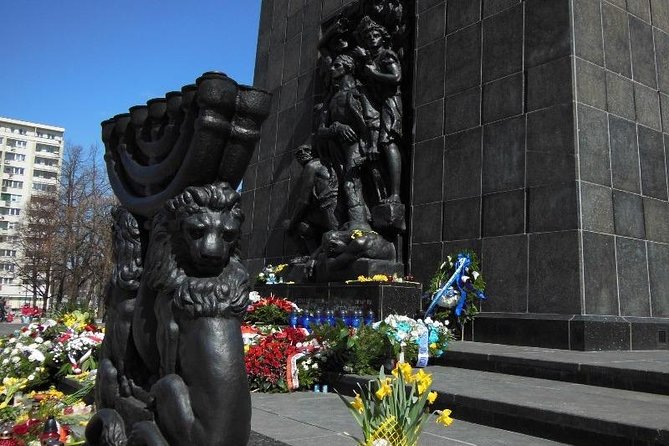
<point x="75" y="63"/>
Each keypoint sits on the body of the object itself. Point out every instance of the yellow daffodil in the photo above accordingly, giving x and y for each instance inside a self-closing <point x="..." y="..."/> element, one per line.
<point x="405" y="370"/>
<point x="280" y="267"/>
<point x="424" y="381"/>
<point x="356" y="233"/>
<point x="380" y="278"/>
<point x="357" y="403"/>
<point x="431" y="397"/>
<point x="384" y="389"/>
<point x="445" y="418"/>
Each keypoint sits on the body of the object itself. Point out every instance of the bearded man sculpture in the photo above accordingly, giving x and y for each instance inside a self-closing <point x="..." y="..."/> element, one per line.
<point x="172" y="369"/>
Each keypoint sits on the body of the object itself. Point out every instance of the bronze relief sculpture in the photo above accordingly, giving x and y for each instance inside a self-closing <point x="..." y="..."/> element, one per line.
<point x="358" y="143"/>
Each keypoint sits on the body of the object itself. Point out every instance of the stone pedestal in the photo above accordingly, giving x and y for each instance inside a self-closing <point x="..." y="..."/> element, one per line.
<point x="381" y="297"/>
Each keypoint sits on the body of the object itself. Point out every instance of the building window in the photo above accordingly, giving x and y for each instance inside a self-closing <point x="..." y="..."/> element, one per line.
<point x="44" y="174"/>
<point x="6" y="280"/>
<point x="12" y="198"/>
<point x="6" y="267"/>
<point x="14" y="170"/>
<point x="10" y="211"/>
<point x="14" y="157"/>
<point x="48" y="149"/>
<point x="12" y="183"/>
<point x="7" y="252"/>
<point x="16" y="143"/>
<point x="44" y="187"/>
<point x="46" y="161"/>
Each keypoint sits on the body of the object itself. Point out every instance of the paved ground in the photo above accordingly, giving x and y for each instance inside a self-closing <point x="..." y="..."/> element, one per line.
<point x="306" y="418"/>
<point x="7" y="328"/>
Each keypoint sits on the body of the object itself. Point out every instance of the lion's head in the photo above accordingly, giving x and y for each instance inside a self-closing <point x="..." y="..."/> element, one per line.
<point x="193" y="251"/>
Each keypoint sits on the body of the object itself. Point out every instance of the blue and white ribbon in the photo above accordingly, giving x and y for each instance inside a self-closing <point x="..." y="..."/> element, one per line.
<point x="462" y="263"/>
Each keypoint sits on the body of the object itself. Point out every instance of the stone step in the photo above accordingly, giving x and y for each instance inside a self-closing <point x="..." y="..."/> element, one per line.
<point x="306" y="418"/>
<point x="643" y="371"/>
<point x="561" y="411"/>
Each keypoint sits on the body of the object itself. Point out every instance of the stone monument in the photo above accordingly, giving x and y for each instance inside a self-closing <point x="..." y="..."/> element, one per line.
<point x="534" y="132"/>
<point x="172" y="366"/>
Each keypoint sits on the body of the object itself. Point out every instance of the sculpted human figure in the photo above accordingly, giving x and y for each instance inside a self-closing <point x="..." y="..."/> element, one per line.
<point x="382" y="75"/>
<point x="347" y="128"/>
<point x="314" y="207"/>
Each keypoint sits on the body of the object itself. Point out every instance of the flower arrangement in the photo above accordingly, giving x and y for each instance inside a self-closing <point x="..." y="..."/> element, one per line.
<point x="268" y="310"/>
<point x="271" y="275"/>
<point x="273" y="364"/>
<point x="391" y="414"/>
<point x="408" y="335"/>
<point x="383" y="278"/>
<point x="30" y="311"/>
<point x="456" y="288"/>
<point x="23" y="356"/>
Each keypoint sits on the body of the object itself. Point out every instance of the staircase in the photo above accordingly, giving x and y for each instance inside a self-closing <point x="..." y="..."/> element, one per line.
<point x="579" y="398"/>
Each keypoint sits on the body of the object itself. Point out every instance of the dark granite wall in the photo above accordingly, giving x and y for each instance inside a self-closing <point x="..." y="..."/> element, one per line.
<point x="541" y="139"/>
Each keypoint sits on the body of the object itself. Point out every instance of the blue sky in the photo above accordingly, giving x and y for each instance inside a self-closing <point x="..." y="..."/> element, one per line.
<point x="75" y="63"/>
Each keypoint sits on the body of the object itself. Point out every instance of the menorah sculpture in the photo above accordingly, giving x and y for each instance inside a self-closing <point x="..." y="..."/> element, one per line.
<point x="172" y="367"/>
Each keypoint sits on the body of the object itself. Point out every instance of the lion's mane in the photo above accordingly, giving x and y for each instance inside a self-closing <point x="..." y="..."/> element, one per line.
<point x="127" y="248"/>
<point x="225" y="295"/>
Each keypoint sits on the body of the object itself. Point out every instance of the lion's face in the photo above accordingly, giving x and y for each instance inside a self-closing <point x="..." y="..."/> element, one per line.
<point x="209" y="239"/>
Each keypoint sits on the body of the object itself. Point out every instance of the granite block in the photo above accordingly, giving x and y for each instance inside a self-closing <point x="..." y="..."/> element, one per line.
<point x="534" y="329"/>
<point x="452" y="248"/>
<point x="431" y="25"/>
<point x="551" y="130"/>
<point x="330" y="7"/>
<point x="423" y="5"/>
<point x="504" y="155"/>
<point x="660" y="14"/>
<point x="261" y="209"/>
<point x="274" y="245"/>
<point x="505" y="260"/>
<point x="462" y="219"/>
<point x="547" y="31"/>
<point x="503" y="44"/>
<point x="291" y="57"/>
<point x="647" y="105"/>
<point x="260" y="70"/>
<point x="429" y="80"/>
<point x="295" y="6"/>
<point x="309" y="50"/>
<point x="257" y="242"/>
<point x="264" y="173"/>
<point x="599" y="270"/>
<point x="656" y="218"/>
<point x="275" y="66"/>
<point x="591" y="333"/>
<point x="249" y="181"/>
<point x="503" y="98"/>
<point x="646" y="336"/>
<point x="643" y="54"/>
<point x="658" y="259"/>
<point x="277" y="205"/>
<point x="428" y="158"/>
<point x="285" y="129"/>
<point x="590" y="84"/>
<point x="549" y="84"/>
<point x="653" y="171"/>
<point x="620" y="96"/>
<point x="288" y="94"/>
<point x="305" y="85"/>
<point x="312" y="13"/>
<point x="628" y="214"/>
<point x="429" y="120"/>
<point x="461" y="13"/>
<point x="554" y="282"/>
<point x="549" y="168"/>
<point x="463" y="59"/>
<point x="504" y="213"/>
<point x="588" y="31"/>
<point x="633" y="288"/>
<point x="426" y="226"/>
<point x="596" y="208"/>
<point x="661" y="58"/>
<point x="552" y="207"/>
<point x="462" y="164"/>
<point x="279" y="14"/>
<point x="624" y="154"/>
<point x="424" y="261"/>
<point x="640" y="8"/>
<point x="462" y="111"/>
<point x="664" y="106"/>
<point x="593" y="146"/>
<point x="620" y="3"/>
<point x="616" y="40"/>
<point x="491" y="7"/>
<point x="294" y="23"/>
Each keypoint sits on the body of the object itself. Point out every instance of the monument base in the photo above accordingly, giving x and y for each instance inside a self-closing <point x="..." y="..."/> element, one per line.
<point x="570" y="332"/>
<point x="384" y="298"/>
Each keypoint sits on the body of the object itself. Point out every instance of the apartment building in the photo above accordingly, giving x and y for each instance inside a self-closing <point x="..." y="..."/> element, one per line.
<point x="30" y="159"/>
